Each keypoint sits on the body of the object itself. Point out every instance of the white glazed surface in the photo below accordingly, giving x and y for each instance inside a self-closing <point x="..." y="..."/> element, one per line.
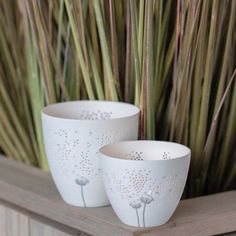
<point x="144" y="191"/>
<point x="73" y="134"/>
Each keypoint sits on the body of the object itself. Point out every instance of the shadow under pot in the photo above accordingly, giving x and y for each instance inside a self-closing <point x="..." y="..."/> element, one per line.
<point x="73" y="133"/>
<point x="146" y="178"/>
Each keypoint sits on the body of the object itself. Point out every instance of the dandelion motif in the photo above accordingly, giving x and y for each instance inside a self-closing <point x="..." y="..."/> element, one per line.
<point x="145" y="199"/>
<point x="81" y="181"/>
<point x="136" y="205"/>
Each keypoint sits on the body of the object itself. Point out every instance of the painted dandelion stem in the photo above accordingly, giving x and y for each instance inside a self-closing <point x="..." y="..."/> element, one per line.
<point x="136" y="205"/>
<point x="82" y="195"/>
<point x="137" y="217"/>
<point x="144" y="208"/>
<point x="145" y="199"/>
<point x="81" y="181"/>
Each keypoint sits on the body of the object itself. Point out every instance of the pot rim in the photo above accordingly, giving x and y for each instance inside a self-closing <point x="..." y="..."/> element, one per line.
<point x="45" y="111"/>
<point x="102" y="152"/>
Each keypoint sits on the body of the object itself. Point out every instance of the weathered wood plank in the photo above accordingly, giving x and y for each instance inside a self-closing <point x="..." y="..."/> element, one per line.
<point x="34" y="190"/>
<point x="12" y="222"/>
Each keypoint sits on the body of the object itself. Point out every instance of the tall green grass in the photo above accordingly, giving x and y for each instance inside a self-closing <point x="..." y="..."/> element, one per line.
<point x="176" y="60"/>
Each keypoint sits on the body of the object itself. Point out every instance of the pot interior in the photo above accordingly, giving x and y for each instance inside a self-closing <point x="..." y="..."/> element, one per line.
<point x="145" y="150"/>
<point x="91" y="110"/>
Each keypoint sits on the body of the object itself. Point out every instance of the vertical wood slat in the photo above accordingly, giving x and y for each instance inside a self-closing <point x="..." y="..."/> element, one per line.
<point x="12" y="222"/>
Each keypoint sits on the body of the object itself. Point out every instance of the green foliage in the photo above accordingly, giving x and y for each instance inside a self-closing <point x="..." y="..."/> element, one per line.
<point x="174" y="59"/>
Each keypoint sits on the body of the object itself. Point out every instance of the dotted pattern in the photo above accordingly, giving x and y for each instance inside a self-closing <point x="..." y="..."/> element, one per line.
<point x="136" y="183"/>
<point x="170" y="183"/>
<point x="110" y="137"/>
<point x="76" y="157"/>
<point x="138" y="156"/>
<point x="98" y="115"/>
<point x="76" y="143"/>
<point x="61" y="133"/>
<point x="62" y="150"/>
<point x="71" y="149"/>
<point x="85" y="164"/>
<point x="133" y="155"/>
<point x="166" y="155"/>
<point x="116" y="185"/>
<point x="138" y="179"/>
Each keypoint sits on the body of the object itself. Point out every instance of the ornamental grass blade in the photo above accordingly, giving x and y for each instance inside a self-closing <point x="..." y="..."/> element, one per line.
<point x="146" y="102"/>
<point x="134" y="43"/>
<point x="83" y="66"/>
<point x="112" y="84"/>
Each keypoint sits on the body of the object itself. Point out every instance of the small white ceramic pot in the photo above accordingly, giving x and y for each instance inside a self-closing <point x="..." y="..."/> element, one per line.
<point x="73" y="133"/>
<point x="144" y="180"/>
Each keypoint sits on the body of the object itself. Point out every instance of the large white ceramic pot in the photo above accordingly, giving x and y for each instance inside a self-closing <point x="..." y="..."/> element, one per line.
<point x="73" y="133"/>
<point x="144" y="180"/>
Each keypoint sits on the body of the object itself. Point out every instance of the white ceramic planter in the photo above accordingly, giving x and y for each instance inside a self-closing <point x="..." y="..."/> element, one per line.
<point x="144" y="180"/>
<point x="73" y="134"/>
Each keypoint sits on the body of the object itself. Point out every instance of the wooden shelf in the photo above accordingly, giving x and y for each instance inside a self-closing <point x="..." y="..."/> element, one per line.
<point x="33" y="190"/>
